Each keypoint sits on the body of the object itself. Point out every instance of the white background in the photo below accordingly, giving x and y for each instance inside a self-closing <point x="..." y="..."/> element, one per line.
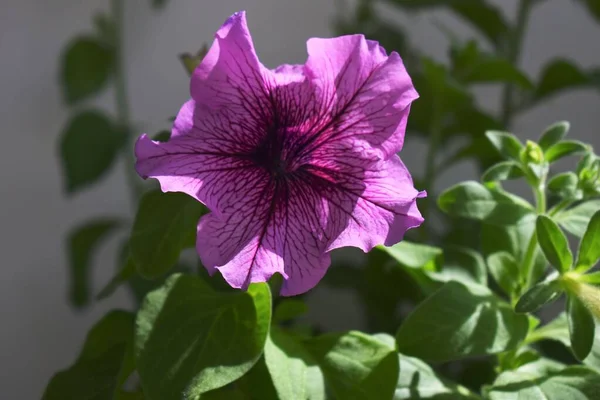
<point x="40" y="333"/>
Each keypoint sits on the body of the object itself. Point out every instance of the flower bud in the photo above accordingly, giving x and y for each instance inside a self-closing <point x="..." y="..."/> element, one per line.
<point x="532" y="154"/>
<point x="589" y="295"/>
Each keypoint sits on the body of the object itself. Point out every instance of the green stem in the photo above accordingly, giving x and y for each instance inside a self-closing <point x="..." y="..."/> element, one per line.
<point x="435" y="136"/>
<point x="513" y="52"/>
<point x="539" y="192"/>
<point x="121" y="98"/>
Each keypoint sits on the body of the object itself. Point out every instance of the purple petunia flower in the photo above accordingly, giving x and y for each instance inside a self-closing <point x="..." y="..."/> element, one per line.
<point x="292" y="162"/>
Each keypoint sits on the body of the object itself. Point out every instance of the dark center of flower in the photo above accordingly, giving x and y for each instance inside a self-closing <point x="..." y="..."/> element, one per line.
<point x="269" y="154"/>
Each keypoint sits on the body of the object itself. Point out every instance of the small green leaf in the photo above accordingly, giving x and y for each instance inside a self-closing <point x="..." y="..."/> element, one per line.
<point x="86" y="65"/>
<point x="546" y="380"/>
<point x="460" y="321"/>
<point x="589" y="248"/>
<point x="415" y="255"/>
<point x="505" y="270"/>
<point x="538" y="295"/>
<point x="82" y="242"/>
<point x="559" y="75"/>
<point x="191" y="339"/>
<point x="557" y="329"/>
<point x="474" y="201"/>
<point x="104" y="364"/>
<point x="191" y="61"/>
<point x="581" y="327"/>
<point x="355" y="365"/>
<point x="576" y="219"/>
<point x="289" y="309"/>
<point x="564" y="149"/>
<point x="506" y="143"/>
<point x="554" y="244"/>
<point x="88" y="147"/>
<point x="554" y="134"/>
<point x="164" y="225"/>
<point x="503" y="171"/>
<point x="564" y="185"/>
<point x="295" y="372"/>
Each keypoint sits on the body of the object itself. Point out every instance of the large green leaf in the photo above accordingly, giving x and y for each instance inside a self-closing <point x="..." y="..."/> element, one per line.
<point x="531" y="382"/>
<point x="474" y="201"/>
<point x="417" y="380"/>
<point x="191" y="339"/>
<point x="502" y="171"/>
<point x="86" y="66"/>
<point x="356" y="365"/>
<point x="459" y="321"/>
<point x="415" y="255"/>
<point x="295" y="372"/>
<point x="557" y="329"/>
<point x="104" y="364"/>
<point x="554" y="244"/>
<point x="461" y="264"/>
<point x="505" y="270"/>
<point x="164" y="225"/>
<point x="82" y="242"/>
<point x="88" y="147"/>
<point x="576" y="219"/>
<point x="564" y="149"/>
<point x="589" y="248"/>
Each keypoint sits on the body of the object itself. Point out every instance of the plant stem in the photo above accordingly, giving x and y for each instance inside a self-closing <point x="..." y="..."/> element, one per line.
<point x="539" y="192"/>
<point x="121" y="98"/>
<point x="513" y="52"/>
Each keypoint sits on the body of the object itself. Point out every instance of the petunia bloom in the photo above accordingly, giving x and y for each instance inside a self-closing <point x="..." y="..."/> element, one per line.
<point x="292" y="162"/>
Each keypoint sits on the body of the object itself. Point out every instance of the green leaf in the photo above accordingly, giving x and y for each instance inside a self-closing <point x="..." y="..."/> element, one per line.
<point x="505" y="270"/>
<point x="416" y="256"/>
<point x="461" y="264"/>
<point x="554" y="134"/>
<point x="593" y="359"/>
<point x="191" y="339"/>
<point x="531" y="382"/>
<point x="593" y="7"/>
<point x="557" y="329"/>
<point x="105" y="29"/>
<point x="355" y="365"/>
<point x="104" y="364"/>
<point x="538" y="295"/>
<point x="82" y="242"/>
<point x="86" y="66"/>
<point x="576" y="219"/>
<point x="506" y="143"/>
<point x="559" y="75"/>
<point x="164" y="225"/>
<point x="257" y="384"/>
<point x="503" y="171"/>
<point x="460" y="321"/>
<point x="564" y="185"/>
<point x="418" y="381"/>
<point x="497" y="70"/>
<point x="191" y="61"/>
<point x="554" y="244"/>
<point x="589" y="248"/>
<point x="159" y="3"/>
<point x="581" y="327"/>
<point x="295" y="373"/>
<point x="289" y="309"/>
<point x="480" y="13"/>
<point x="474" y="201"/>
<point x="162" y="136"/>
<point x="564" y="149"/>
<point x="88" y="147"/>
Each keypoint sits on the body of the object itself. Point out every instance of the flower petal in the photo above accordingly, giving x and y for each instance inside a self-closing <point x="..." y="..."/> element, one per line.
<point x="375" y="201"/>
<point x="365" y="93"/>
<point x="280" y="231"/>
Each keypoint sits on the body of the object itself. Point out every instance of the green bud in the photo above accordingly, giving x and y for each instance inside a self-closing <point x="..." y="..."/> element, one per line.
<point x="532" y="154"/>
<point x="588" y="294"/>
<point x="589" y="175"/>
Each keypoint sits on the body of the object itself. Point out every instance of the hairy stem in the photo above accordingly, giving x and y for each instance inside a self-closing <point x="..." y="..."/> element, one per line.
<point x="121" y="97"/>
<point x="539" y="192"/>
<point x="512" y="54"/>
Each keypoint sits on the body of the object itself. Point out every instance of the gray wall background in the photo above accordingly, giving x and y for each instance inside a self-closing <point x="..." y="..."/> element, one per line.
<point x="40" y="332"/>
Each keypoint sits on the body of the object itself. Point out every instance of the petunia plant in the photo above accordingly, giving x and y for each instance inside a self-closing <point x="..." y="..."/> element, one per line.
<point x="265" y="176"/>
